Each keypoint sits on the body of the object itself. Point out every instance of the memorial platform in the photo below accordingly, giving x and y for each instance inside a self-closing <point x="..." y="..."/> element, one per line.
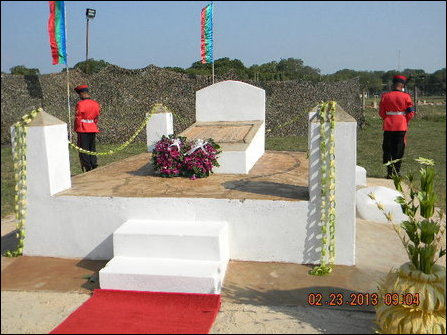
<point x="278" y="175"/>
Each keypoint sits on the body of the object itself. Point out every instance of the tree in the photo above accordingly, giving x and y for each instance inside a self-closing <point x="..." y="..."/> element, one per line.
<point x="23" y="70"/>
<point x="435" y="83"/>
<point x="91" y="66"/>
<point x="293" y="69"/>
<point x="267" y="71"/>
<point x="222" y="66"/>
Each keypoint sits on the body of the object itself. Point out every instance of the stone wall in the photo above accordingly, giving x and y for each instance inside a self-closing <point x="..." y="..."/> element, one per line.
<point x="126" y="95"/>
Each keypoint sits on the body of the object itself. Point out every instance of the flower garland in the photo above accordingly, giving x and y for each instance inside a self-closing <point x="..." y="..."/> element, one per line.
<point x="19" y="165"/>
<point x="327" y="207"/>
<point x="175" y="156"/>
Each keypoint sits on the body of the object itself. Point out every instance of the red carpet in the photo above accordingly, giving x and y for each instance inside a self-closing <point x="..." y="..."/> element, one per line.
<point x="133" y="312"/>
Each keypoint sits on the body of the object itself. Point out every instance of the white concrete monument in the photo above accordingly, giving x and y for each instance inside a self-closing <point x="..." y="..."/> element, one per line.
<point x="345" y="182"/>
<point x="233" y="114"/>
<point x="160" y="123"/>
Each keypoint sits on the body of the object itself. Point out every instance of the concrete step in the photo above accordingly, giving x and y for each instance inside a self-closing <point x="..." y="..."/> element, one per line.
<point x="163" y="275"/>
<point x="206" y="241"/>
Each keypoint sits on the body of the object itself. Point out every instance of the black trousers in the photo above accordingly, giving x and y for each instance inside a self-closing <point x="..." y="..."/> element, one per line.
<point x="87" y="141"/>
<point x="393" y="148"/>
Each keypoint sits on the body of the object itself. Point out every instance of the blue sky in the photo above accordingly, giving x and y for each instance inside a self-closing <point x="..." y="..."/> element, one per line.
<point x="358" y="35"/>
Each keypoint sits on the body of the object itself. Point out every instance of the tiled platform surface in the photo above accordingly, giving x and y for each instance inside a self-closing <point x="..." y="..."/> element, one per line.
<point x="278" y="175"/>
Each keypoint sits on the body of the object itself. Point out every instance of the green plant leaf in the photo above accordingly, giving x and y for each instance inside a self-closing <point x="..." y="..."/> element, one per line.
<point x="429" y="229"/>
<point x="411" y="229"/>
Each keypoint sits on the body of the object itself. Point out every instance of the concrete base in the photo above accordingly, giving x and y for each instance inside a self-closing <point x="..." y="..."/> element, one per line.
<point x="206" y="241"/>
<point x="162" y="275"/>
<point x="367" y="207"/>
<point x="164" y="256"/>
<point x="268" y="207"/>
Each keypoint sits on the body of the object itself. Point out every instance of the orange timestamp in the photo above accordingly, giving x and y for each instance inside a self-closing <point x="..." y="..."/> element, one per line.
<point x="362" y="299"/>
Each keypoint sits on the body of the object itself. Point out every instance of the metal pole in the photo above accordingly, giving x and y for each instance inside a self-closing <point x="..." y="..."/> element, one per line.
<point x="212" y="32"/>
<point x="68" y="102"/>
<point x="363" y="99"/>
<point x="68" y="80"/>
<point x="86" y="47"/>
<point x="213" y="70"/>
<point x="415" y="96"/>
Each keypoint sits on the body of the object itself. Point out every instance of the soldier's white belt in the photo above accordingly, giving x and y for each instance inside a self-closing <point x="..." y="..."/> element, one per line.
<point x="395" y="113"/>
<point x="87" y="121"/>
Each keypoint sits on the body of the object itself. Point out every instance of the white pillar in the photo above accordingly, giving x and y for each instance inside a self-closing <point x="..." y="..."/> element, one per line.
<point x="161" y="123"/>
<point x="345" y="190"/>
<point x="47" y="157"/>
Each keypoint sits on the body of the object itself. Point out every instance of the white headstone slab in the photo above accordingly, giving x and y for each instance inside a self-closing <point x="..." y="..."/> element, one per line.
<point x="230" y="101"/>
<point x="367" y="207"/>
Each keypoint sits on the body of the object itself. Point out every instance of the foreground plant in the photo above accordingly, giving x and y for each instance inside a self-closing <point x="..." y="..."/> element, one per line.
<point x="421" y="235"/>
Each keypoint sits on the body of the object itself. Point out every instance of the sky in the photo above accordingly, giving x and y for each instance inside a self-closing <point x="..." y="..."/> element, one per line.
<point x="328" y="35"/>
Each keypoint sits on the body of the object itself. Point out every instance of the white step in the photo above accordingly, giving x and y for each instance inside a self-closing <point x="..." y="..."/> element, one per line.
<point x="162" y="275"/>
<point x="172" y="239"/>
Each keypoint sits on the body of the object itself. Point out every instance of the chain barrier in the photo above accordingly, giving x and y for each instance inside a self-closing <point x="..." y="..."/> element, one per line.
<point x="125" y="144"/>
<point x="296" y="118"/>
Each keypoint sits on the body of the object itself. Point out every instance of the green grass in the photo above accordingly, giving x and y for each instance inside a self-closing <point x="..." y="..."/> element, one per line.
<point x="426" y="138"/>
<point x="7" y="182"/>
<point x="132" y="149"/>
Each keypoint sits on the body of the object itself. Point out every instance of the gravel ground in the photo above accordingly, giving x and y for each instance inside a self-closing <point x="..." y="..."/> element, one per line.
<point x="40" y="312"/>
<point x="36" y="312"/>
<point x="254" y="319"/>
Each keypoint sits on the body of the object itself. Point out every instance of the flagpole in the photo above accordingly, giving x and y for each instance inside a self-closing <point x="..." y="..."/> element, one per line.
<point x="212" y="32"/>
<point x="68" y="103"/>
<point x="68" y="78"/>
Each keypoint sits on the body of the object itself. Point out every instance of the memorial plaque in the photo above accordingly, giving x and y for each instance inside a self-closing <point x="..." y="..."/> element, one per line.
<point x="223" y="132"/>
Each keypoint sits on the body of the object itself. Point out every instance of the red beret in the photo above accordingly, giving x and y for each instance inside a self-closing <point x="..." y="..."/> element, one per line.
<point x="400" y="78"/>
<point x="81" y="88"/>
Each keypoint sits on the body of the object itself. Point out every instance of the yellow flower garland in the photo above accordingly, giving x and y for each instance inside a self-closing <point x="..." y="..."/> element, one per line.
<point x="19" y="165"/>
<point x="327" y="206"/>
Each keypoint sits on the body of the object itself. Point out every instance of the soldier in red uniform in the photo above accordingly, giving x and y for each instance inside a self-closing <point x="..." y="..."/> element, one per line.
<point x="86" y="126"/>
<point x="396" y="109"/>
